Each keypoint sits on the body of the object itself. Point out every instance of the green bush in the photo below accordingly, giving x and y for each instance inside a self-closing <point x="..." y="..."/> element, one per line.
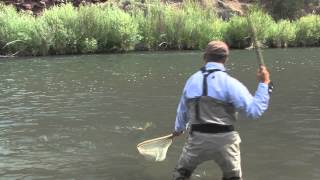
<point x="188" y="26"/>
<point x="282" y="34"/>
<point x="90" y="29"/>
<point x="308" y="30"/>
<point x="237" y="32"/>
<point x="262" y="22"/>
<point x="111" y="27"/>
<point x="20" y="33"/>
<point x="88" y="45"/>
<point x="152" y="25"/>
<point x="201" y="26"/>
<point x="67" y="30"/>
<point x="123" y="29"/>
<point x="146" y="28"/>
<point x="158" y="25"/>
<point x="61" y="22"/>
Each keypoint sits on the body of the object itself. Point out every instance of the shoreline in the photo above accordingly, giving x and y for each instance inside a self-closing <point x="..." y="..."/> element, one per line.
<point x="106" y="28"/>
<point x="146" y="52"/>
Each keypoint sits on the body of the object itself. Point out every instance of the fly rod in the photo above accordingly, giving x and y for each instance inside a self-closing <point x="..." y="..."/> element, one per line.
<point x="255" y="42"/>
<point x="258" y="49"/>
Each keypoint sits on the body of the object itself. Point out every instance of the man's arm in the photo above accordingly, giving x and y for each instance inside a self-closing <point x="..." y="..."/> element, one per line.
<point x="253" y="106"/>
<point x="181" y="117"/>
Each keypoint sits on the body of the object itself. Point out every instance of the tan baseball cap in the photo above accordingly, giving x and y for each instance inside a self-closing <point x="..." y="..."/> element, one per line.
<point x="216" y="49"/>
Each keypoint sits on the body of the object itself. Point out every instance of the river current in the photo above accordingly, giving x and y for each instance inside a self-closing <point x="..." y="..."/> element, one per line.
<point x="81" y="117"/>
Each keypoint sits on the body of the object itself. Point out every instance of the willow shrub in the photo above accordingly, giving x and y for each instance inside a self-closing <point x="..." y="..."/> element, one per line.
<point x="238" y="31"/>
<point x="160" y="25"/>
<point x="282" y="34"/>
<point x="150" y="20"/>
<point x="187" y="26"/>
<point x="109" y="26"/>
<point x="145" y="28"/>
<point x="201" y="26"/>
<point x="89" y="27"/>
<point x="262" y="22"/>
<point x="67" y="30"/>
<point x="21" y="33"/>
<point x="105" y="27"/>
<point x="60" y="21"/>
<point x="122" y="29"/>
<point x="308" y="30"/>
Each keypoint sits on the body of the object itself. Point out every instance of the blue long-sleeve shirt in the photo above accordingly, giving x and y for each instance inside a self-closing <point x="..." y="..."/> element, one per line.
<point x="223" y="87"/>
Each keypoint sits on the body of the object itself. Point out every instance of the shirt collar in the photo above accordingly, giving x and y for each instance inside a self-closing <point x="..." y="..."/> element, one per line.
<point x="214" y="65"/>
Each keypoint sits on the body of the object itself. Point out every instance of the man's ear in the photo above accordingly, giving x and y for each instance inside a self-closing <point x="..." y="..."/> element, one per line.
<point x="205" y="58"/>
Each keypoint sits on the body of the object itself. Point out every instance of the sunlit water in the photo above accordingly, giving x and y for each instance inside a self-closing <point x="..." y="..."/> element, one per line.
<point x="80" y="117"/>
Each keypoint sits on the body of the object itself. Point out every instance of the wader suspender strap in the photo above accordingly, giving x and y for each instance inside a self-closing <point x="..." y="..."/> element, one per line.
<point x="205" y="73"/>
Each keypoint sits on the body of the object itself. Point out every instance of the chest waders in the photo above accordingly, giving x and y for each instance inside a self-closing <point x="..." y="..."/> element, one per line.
<point x="207" y="114"/>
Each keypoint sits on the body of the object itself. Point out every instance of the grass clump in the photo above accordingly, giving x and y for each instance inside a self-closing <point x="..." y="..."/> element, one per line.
<point x="152" y="25"/>
<point x="282" y="34"/>
<point x="20" y="33"/>
<point x="110" y="27"/>
<point x="67" y="30"/>
<point x="184" y="26"/>
<point x="61" y="22"/>
<point x="308" y="30"/>
<point x="238" y="30"/>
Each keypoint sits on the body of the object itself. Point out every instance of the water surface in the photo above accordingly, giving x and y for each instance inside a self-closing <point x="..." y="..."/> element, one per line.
<point x="80" y="117"/>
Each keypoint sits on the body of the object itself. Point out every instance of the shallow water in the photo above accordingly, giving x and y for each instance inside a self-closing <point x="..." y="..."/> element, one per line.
<point x="80" y="117"/>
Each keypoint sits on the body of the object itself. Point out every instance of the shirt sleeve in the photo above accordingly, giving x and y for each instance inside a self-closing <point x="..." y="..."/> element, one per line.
<point x="181" y="118"/>
<point x="252" y="106"/>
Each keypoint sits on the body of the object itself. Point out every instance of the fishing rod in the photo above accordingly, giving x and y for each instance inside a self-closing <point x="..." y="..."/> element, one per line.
<point x="258" y="49"/>
<point x="255" y="42"/>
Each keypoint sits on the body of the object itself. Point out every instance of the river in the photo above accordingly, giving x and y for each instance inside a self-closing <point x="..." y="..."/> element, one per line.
<point x="80" y="117"/>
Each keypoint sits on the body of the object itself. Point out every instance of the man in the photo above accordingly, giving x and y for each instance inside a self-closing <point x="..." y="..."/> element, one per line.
<point x="208" y="105"/>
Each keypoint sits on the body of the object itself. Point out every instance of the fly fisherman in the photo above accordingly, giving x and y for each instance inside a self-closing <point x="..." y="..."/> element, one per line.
<point x="208" y="105"/>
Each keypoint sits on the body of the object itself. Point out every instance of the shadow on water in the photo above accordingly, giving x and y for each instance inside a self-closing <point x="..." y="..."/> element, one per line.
<point x="80" y="117"/>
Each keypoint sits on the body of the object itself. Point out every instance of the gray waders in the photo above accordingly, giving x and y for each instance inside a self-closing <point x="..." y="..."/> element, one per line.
<point x="212" y="136"/>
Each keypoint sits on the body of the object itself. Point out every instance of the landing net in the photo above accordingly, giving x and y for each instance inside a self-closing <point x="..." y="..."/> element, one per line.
<point x="155" y="149"/>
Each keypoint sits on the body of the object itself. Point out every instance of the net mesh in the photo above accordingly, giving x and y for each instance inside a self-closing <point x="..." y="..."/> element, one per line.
<point x="155" y="149"/>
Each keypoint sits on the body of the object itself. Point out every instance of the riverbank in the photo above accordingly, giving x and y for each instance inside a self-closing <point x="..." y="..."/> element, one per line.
<point x="108" y="27"/>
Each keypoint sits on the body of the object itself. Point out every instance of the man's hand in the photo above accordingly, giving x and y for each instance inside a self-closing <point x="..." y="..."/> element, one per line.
<point x="175" y="133"/>
<point x="263" y="74"/>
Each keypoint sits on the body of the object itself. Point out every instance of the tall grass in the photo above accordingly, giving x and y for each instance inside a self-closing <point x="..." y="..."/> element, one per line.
<point x="90" y="29"/>
<point x="61" y="23"/>
<point x="282" y="34"/>
<point x="67" y="30"/>
<point x="20" y="33"/>
<point x="149" y="26"/>
<point x="201" y="26"/>
<point x="238" y="30"/>
<point x="308" y="30"/>
<point x="184" y="26"/>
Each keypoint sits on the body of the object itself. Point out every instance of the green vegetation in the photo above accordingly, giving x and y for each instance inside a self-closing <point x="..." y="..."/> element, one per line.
<point x="187" y="27"/>
<point x="67" y="30"/>
<point x="282" y="34"/>
<point x="150" y="26"/>
<point x="308" y="30"/>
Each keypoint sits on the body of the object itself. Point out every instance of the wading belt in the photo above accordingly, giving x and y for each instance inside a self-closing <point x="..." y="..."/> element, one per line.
<point x="211" y="128"/>
<point x="208" y="127"/>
